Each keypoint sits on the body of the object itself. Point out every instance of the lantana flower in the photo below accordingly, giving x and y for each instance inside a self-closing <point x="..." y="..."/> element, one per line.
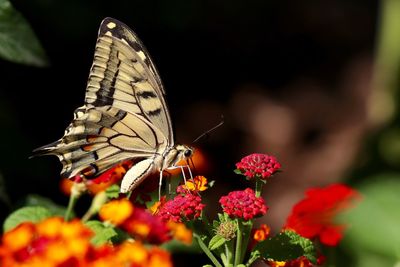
<point x="313" y="217"/>
<point x="299" y="262"/>
<point x="243" y="204"/>
<point x="261" y="233"/>
<point x="198" y="184"/>
<point x="145" y="226"/>
<point x="54" y="242"/>
<point x="183" y="207"/>
<point x="116" y="211"/>
<point x="136" y="221"/>
<point x="258" y="165"/>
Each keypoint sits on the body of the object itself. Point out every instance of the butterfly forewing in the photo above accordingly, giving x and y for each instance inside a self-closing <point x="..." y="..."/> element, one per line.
<point x="123" y="75"/>
<point x="125" y="115"/>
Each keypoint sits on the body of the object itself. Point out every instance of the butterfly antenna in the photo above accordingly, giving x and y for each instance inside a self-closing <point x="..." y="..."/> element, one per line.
<point x="207" y="133"/>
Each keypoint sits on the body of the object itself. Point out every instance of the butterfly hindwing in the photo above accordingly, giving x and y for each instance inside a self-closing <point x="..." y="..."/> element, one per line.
<point x="102" y="136"/>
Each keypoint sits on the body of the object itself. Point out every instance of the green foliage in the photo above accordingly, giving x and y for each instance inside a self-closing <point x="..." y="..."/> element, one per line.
<point x="36" y="200"/>
<point x="112" y="191"/>
<point x="25" y="214"/>
<point x="237" y="171"/>
<point x="286" y="246"/>
<point x="374" y="224"/>
<point x="103" y="233"/>
<point x="175" y="246"/>
<point x="18" y="42"/>
<point x="216" y="242"/>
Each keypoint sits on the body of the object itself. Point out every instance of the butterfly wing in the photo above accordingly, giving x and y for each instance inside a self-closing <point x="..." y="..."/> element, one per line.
<point x="124" y="76"/>
<point x="125" y="115"/>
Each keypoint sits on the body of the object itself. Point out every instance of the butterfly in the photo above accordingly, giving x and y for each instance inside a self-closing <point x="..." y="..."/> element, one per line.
<point x="124" y="116"/>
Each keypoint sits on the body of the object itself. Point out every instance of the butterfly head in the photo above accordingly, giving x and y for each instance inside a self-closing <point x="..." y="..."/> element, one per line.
<point x="184" y="151"/>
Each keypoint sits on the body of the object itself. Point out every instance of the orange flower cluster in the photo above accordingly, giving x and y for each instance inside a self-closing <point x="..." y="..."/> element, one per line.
<point x="56" y="243"/>
<point x="198" y="184"/>
<point x="261" y="233"/>
<point x="299" y="262"/>
<point x="141" y="224"/>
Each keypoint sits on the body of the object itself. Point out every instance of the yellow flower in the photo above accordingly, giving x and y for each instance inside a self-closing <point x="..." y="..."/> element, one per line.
<point x="116" y="211"/>
<point x="140" y="228"/>
<point x="50" y="227"/>
<point x="74" y="229"/>
<point x="132" y="252"/>
<point x="19" y="237"/>
<point x="159" y="258"/>
<point x="56" y="253"/>
<point x="199" y="183"/>
<point x="180" y="232"/>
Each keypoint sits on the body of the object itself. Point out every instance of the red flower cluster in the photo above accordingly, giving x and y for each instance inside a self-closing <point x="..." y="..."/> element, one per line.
<point x="147" y="226"/>
<point x="243" y="204"/>
<point x="181" y="208"/>
<point x="258" y="165"/>
<point x="314" y="216"/>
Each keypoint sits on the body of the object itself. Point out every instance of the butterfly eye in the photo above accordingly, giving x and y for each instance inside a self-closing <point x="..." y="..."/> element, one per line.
<point x="188" y="153"/>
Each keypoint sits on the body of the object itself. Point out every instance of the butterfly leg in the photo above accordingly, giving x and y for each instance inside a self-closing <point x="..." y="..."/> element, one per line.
<point x="159" y="185"/>
<point x="182" y="167"/>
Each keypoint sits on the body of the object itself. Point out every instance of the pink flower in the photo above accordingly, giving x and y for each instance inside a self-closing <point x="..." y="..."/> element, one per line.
<point x="181" y="208"/>
<point x="258" y="165"/>
<point x="243" y="204"/>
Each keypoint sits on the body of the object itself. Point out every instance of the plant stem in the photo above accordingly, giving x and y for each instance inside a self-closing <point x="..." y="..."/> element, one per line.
<point x="77" y="190"/>
<point x="206" y="250"/>
<point x="259" y="185"/>
<point x="246" y="233"/>
<point x="228" y="251"/>
<point x="98" y="201"/>
<point x="238" y="250"/>
<point x="253" y="257"/>
<point x="71" y="204"/>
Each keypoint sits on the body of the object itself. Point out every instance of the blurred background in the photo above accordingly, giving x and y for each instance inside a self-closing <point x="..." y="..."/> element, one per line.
<point x="314" y="83"/>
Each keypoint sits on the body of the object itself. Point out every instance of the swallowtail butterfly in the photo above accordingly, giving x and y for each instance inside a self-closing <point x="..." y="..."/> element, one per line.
<point x="124" y="117"/>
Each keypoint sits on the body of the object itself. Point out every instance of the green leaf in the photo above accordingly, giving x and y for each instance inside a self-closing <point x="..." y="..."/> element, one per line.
<point x="120" y="237"/>
<point x="103" y="234"/>
<point x="215" y="224"/>
<point x="18" y="42"/>
<point x="175" y="246"/>
<point x="216" y="241"/>
<point x="112" y="191"/>
<point x="374" y="222"/>
<point x="25" y="214"/>
<point x="53" y="208"/>
<point x="237" y="171"/>
<point x="286" y="246"/>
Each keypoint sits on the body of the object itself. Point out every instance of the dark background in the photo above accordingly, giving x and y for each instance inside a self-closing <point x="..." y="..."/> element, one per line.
<point x="214" y="57"/>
